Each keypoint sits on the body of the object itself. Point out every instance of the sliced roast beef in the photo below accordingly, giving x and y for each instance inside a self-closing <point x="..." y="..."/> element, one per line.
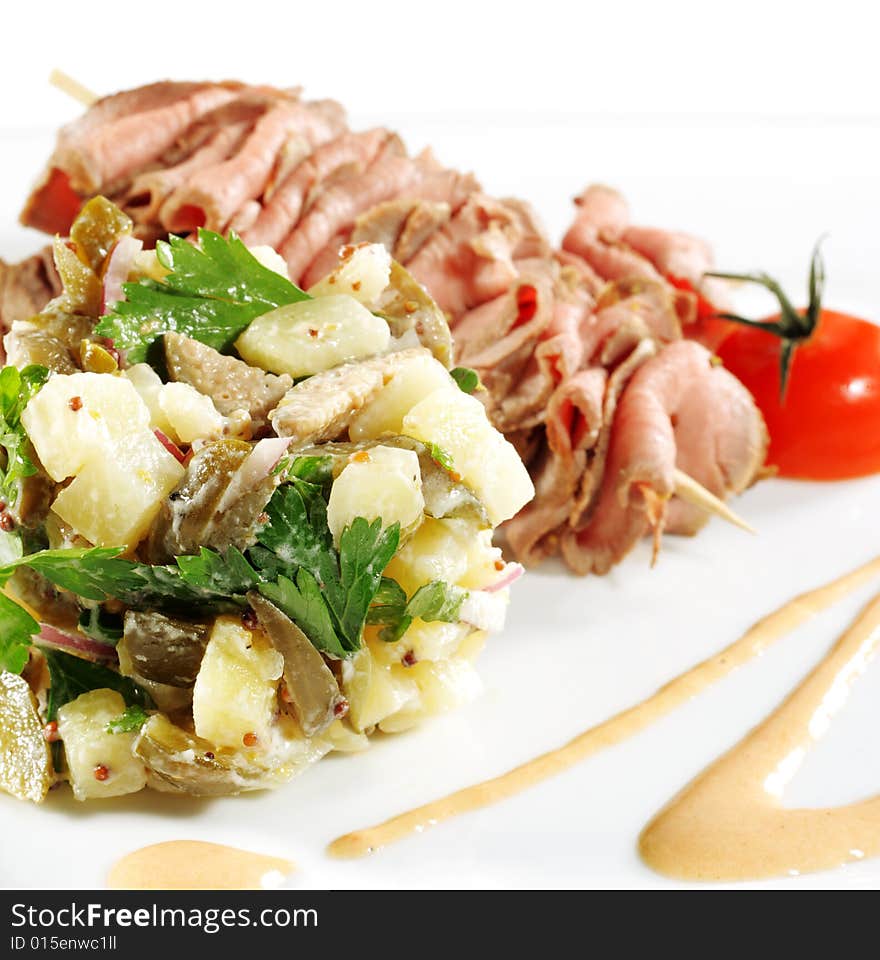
<point x="26" y="287"/>
<point x="211" y="197"/>
<point x="679" y="409"/>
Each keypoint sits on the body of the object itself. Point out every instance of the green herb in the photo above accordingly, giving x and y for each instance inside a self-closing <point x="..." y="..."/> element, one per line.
<point x="17" y="387"/>
<point x="304" y="603"/>
<point x="389" y="604"/>
<point x="316" y="470"/>
<point x="129" y="721"/>
<point x="101" y="626"/>
<point x="433" y="601"/>
<point x="340" y="587"/>
<point x="71" y="676"/>
<point x="212" y="294"/>
<point x="439" y="455"/>
<point x="468" y="380"/>
<point x="226" y="574"/>
<point x="17" y="627"/>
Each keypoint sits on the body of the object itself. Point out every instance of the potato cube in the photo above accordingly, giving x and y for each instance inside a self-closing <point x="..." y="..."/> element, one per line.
<point x="364" y="272"/>
<point x="413" y="382"/>
<point x="191" y="414"/>
<point x="383" y="483"/>
<point x="101" y="763"/>
<point x="486" y="462"/>
<point x="313" y="335"/>
<point x="235" y="693"/>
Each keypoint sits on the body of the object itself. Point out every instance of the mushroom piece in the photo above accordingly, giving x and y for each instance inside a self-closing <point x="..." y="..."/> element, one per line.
<point x="407" y="305"/>
<point x="231" y="383"/>
<point x="314" y="699"/>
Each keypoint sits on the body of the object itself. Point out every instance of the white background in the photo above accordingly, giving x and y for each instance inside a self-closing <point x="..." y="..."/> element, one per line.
<point x="754" y="124"/>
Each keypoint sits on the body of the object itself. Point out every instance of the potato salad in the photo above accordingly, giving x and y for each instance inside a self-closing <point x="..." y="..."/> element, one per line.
<point x="241" y="524"/>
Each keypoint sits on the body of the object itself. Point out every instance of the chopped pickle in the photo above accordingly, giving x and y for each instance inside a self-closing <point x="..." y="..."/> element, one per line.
<point x="25" y="760"/>
<point x="180" y="762"/>
<point x="163" y="649"/>
<point x="407" y="305"/>
<point x="313" y="695"/>
<point x="96" y="230"/>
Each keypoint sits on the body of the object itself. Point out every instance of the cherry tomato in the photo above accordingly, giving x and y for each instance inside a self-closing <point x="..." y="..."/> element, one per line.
<point x="827" y="426"/>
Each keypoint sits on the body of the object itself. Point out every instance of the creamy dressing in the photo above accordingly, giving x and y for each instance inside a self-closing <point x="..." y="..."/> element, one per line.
<point x="666" y="842"/>
<point x="730" y="824"/>
<point x="196" y="865"/>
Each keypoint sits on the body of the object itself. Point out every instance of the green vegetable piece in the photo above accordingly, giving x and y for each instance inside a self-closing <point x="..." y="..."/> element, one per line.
<point x="468" y="380"/>
<point x="17" y="627"/>
<point x="211" y="295"/>
<point x="129" y="721"/>
<point x="433" y="601"/>
<point x="17" y="387"/>
<point x="70" y="676"/>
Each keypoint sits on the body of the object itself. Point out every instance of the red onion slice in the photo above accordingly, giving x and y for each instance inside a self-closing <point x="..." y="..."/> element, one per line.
<point x="259" y="464"/>
<point x="75" y="643"/>
<point x="118" y="268"/>
<point x="510" y="574"/>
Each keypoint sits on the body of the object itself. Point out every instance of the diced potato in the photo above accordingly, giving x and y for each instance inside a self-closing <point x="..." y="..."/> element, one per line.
<point x="383" y="482"/>
<point x="90" y="748"/>
<point x="486" y="462"/>
<point x="413" y="382"/>
<point x="191" y="414"/>
<point x="80" y="416"/>
<point x="236" y="689"/>
<point x="149" y="385"/>
<point x="344" y="739"/>
<point x="96" y="427"/>
<point x="313" y="335"/>
<point x="146" y="264"/>
<point x="364" y="272"/>
<point x="372" y="691"/>
<point x="482" y="557"/>
<point x="270" y="259"/>
<point x="436" y="551"/>
<point x="442" y="686"/>
<point x="114" y="499"/>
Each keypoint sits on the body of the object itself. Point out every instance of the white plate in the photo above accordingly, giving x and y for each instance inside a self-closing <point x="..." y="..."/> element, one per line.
<point x="575" y="651"/>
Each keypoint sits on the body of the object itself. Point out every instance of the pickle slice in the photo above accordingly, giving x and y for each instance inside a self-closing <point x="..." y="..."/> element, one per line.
<point x="25" y="760"/>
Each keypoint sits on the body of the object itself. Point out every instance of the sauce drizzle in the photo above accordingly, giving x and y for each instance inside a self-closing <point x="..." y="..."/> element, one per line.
<point x="196" y="865"/>
<point x="616" y="729"/>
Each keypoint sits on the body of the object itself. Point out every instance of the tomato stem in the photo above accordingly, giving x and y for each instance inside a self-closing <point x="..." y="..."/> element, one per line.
<point x="793" y="326"/>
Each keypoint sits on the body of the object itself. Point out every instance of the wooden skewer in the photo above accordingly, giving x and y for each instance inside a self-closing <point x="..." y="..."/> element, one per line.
<point x="687" y="489"/>
<point x="73" y="88"/>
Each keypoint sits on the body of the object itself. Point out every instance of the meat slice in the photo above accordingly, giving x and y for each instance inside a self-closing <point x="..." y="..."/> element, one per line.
<point x="678" y="254"/>
<point x="231" y="383"/>
<point x="281" y="213"/>
<point x="401" y="225"/>
<point x="211" y="197"/>
<point x="471" y="259"/>
<point x="321" y="407"/>
<point x="574" y="418"/>
<point x="601" y="212"/>
<point x="339" y="205"/>
<point x="26" y="287"/>
<point x="679" y="409"/>
<point x="149" y="190"/>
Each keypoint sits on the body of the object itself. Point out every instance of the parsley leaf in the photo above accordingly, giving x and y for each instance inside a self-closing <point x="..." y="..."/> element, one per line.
<point x="436" y="600"/>
<point x="129" y="721"/>
<point x="212" y="294"/>
<point x="70" y="676"/>
<point x="225" y="574"/>
<point x="389" y="604"/>
<point x="17" y="387"/>
<point x="17" y="627"/>
<point x="304" y="603"/>
<point x="441" y="456"/>
<point x="468" y="380"/>
<point x="365" y="549"/>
